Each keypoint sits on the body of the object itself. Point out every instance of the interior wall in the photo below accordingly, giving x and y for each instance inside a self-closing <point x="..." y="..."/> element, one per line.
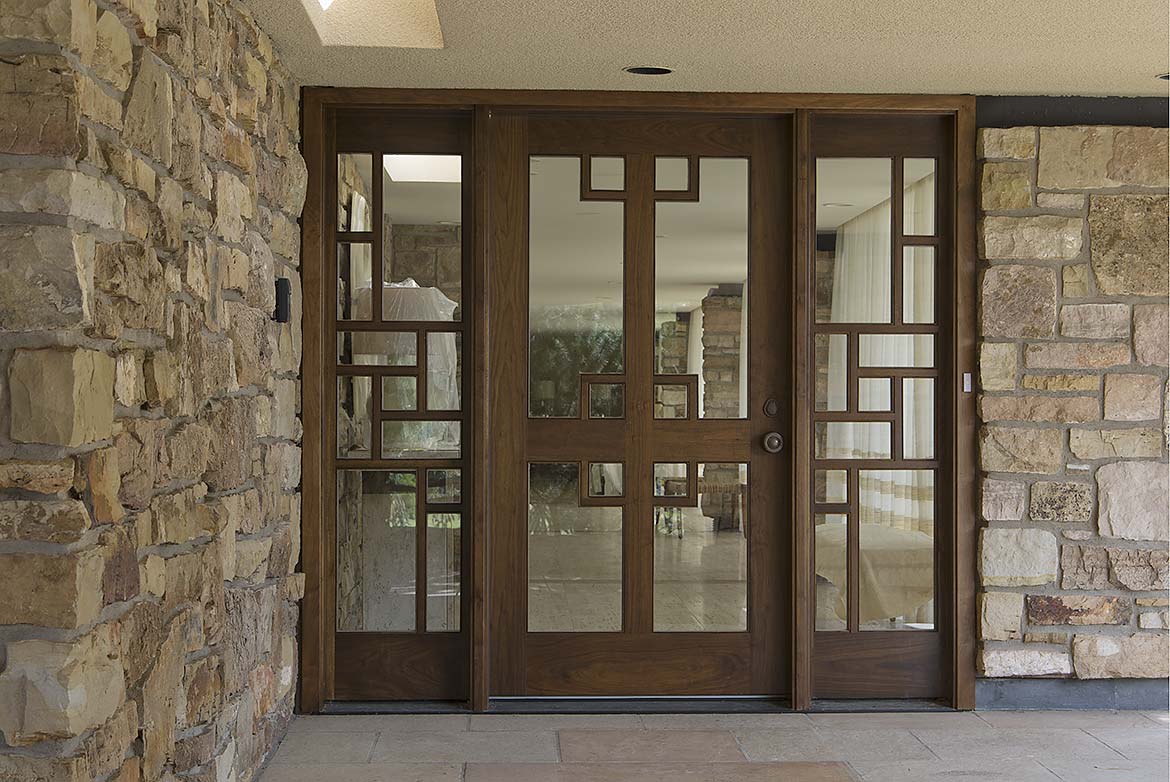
<point x="150" y="185"/>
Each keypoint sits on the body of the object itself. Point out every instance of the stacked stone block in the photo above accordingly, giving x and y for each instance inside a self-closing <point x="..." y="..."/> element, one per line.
<point x="1073" y="369"/>
<point x="150" y="185"/>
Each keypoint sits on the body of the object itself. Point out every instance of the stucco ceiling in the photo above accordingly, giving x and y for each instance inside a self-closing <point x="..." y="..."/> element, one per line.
<point x="1040" y="47"/>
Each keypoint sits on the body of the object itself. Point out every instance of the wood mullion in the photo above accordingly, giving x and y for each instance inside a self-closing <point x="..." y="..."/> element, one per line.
<point x="853" y="553"/>
<point x="355" y="237"/>
<point x="897" y="200"/>
<point x="877" y="328"/>
<point x="401" y="326"/>
<point x="377" y="262"/>
<point x="899" y="417"/>
<point x="398" y="464"/>
<point x="376" y="370"/>
<point x="420" y="552"/>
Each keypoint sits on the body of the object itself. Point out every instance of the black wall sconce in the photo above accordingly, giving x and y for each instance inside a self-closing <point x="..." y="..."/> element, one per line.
<point x="283" y="300"/>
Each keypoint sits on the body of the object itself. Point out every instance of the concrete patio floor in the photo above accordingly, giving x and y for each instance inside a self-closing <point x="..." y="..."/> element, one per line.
<point x="1025" y="746"/>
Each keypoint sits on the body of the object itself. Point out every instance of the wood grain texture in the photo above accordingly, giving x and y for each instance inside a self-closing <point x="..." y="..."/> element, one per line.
<point x="390" y="667"/>
<point x="887" y="664"/>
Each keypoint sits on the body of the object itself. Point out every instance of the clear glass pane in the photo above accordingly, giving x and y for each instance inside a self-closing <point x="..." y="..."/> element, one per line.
<point x="853" y="240"/>
<point x="918" y="187"/>
<point x="607" y="400"/>
<point x="443" y="486"/>
<point x="831" y="382"/>
<point x="383" y="348"/>
<point x="444" y="568"/>
<point x="830" y="486"/>
<point x="670" y="400"/>
<point x="376" y="550"/>
<point x="918" y="284"/>
<point x="607" y="173"/>
<point x="700" y="279"/>
<point x="606" y="479"/>
<point x="918" y="418"/>
<point x="830" y="532"/>
<point x="701" y="556"/>
<point x="422" y="237"/>
<point x="444" y="370"/>
<point x="354" y="416"/>
<point x="420" y="440"/>
<point x="670" y="479"/>
<point x="354" y="192"/>
<point x="851" y="440"/>
<point x="896" y="350"/>
<point x="399" y="393"/>
<point x="354" y="272"/>
<point x="671" y="173"/>
<point x="896" y="570"/>
<point x="873" y="394"/>
<point x="574" y="556"/>
<point x="575" y="254"/>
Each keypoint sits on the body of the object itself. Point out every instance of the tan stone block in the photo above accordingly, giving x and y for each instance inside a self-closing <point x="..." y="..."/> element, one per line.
<point x="68" y="23"/>
<point x="1061" y="501"/>
<point x="177" y="517"/>
<point x="159" y="692"/>
<point x="1025" y="407"/>
<point x="38" y="106"/>
<point x="251" y="562"/>
<point x="1153" y="601"/>
<point x="55" y="590"/>
<point x="1002" y="500"/>
<point x="153" y="575"/>
<point x="186" y="452"/>
<point x="1139" y="656"/>
<point x="1015" y="143"/>
<point x="113" y="58"/>
<point x="1083" y="567"/>
<point x="107" y="746"/>
<point x="1139" y="570"/>
<point x="1027" y="450"/>
<point x="1075" y="281"/>
<point x="1151" y="334"/>
<point x="233" y="206"/>
<point x="1154" y="620"/>
<point x="150" y="110"/>
<point x="1132" y="499"/>
<point x="41" y="477"/>
<point x="1017" y="557"/>
<point x="1098" y="157"/>
<point x="1091" y="444"/>
<point x="61" y="397"/>
<point x="997" y="366"/>
<point x="1006" y="186"/>
<point x="1046" y="638"/>
<point x="1132" y="397"/>
<point x="1062" y="382"/>
<point x="94" y="103"/>
<point x="132" y="276"/>
<point x="54" y="521"/>
<point x="1077" y="610"/>
<point x="46" y="273"/>
<point x="1039" y="237"/>
<point x="1095" y="321"/>
<point x="1000" y="615"/>
<point x="65" y="193"/>
<point x="105" y="482"/>
<point x="1018" y="301"/>
<point x="1076" y="355"/>
<point x="1130" y="240"/>
<point x="38" y="768"/>
<point x="1014" y="663"/>
<point x="1071" y="202"/>
<point x="139" y="447"/>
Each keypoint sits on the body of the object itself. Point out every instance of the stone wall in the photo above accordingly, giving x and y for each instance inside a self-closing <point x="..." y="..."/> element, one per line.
<point x="1073" y="366"/>
<point x="150" y="185"/>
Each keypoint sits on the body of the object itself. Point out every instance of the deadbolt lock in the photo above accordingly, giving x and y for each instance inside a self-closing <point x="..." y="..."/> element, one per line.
<point x="773" y="442"/>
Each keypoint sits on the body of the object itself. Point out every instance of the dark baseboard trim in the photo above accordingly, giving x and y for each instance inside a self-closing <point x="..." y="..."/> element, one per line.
<point x="1009" y="111"/>
<point x="1141" y="694"/>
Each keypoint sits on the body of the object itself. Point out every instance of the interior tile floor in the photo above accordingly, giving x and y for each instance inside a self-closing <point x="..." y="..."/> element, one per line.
<point x="1032" y="746"/>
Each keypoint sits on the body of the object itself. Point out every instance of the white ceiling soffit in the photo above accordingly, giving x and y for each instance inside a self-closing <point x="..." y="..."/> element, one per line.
<point x="408" y="24"/>
<point x="990" y="47"/>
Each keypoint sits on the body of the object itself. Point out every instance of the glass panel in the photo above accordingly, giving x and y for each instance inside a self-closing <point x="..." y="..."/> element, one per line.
<point x="384" y="348"/>
<point x="896" y="569"/>
<point x="670" y="479"/>
<point x="354" y="192"/>
<point x="917" y="418"/>
<point x="873" y="394"/>
<point x="830" y="392"/>
<point x="444" y="555"/>
<point x="574" y="556"/>
<point x="607" y="173"/>
<point x="831" y="558"/>
<point x="896" y="350"/>
<point x="575" y="264"/>
<point x="918" y="284"/>
<point x="700" y="279"/>
<point x="606" y="479"/>
<point x="918" y="185"/>
<point x="420" y="440"/>
<point x="444" y="370"/>
<point x="354" y="414"/>
<point x="671" y="173"/>
<point x="354" y="272"/>
<point x="422" y="237"/>
<point x="851" y="440"/>
<point x="607" y="400"/>
<point x="443" y="486"/>
<point x="701" y="556"/>
<point x="399" y="393"/>
<point x="376" y="550"/>
<point x="853" y="240"/>
<point x="670" y="400"/>
<point x="830" y="486"/>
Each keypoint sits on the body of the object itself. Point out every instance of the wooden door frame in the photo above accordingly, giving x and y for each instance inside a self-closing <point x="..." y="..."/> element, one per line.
<point x="497" y="124"/>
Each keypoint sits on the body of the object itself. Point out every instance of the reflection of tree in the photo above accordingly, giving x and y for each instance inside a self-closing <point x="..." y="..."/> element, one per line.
<point x="565" y="342"/>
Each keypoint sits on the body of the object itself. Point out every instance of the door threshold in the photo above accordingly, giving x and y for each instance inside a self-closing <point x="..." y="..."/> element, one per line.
<point x="861" y="706"/>
<point x="623" y="705"/>
<point x="394" y="707"/>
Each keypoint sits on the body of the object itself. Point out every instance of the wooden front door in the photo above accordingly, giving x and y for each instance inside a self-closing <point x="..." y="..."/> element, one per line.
<point x="640" y="485"/>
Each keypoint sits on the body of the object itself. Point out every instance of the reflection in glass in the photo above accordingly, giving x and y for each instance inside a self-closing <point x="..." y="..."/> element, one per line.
<point x="384" y="348"/>
<point x="443" y="571"/>
<point x="574" y="556"/>
<point x="354" y="192"/>
<point x="376" y="550"/>
<point x="607" y="400"/>
<point x="918" y="418"/>
<point x="918" y="284"/>
<point x="853" y="279"/>
<point x="873" y="394"/>
<point x="831" y="354"/>
<point x="607" y="173"/>
<point x="575" y="261"/>
<point x="444" y="370"/>
<point x="701" y="556"/>
<point x="443" y="486"/>
<point x="670" y="400"/>
<point x="830" y="532"/>
<point x="354" y="414"/>
<point x="830" y="486"/>
<point x="851" y="440"/>
<point x="896" y="350"/>
<point x="896" y="568"/>
<point x="918" y="188"/>
<point x="420" y="440"/>
<point x="701" y="287"/>
<point x="671" y="173"/>
<point x="399" y="393"/>
<point x="354" y="272"/>
<point x="670" y="479"/>
<point x="606" y="479"/>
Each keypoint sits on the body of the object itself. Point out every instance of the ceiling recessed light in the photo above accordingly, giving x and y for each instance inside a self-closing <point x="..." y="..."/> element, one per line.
<point x="648" y="70"/>
<point x="423" y="168"/>
<point x="325" y="4"/>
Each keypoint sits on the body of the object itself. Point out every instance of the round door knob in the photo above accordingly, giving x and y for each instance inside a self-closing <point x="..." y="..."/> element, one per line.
<point x="773" y="442"/>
